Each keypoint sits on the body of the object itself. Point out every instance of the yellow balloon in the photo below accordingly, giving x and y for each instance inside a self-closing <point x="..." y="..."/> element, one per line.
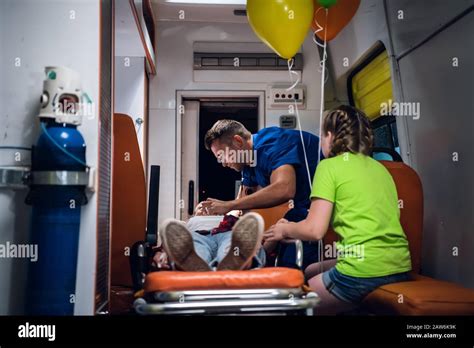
<point x="281" y="24"/>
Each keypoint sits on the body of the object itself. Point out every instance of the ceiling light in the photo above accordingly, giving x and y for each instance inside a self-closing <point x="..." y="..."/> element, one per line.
<point x="209" y="2"/>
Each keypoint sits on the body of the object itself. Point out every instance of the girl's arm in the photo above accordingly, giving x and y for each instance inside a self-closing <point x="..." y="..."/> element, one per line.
<point x="314" y="227"/>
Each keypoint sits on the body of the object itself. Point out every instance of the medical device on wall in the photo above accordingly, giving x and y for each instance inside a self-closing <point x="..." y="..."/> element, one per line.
<point x="288" y="121"/>
<point x="279" y="97"/>
<point x="57" y="181"/>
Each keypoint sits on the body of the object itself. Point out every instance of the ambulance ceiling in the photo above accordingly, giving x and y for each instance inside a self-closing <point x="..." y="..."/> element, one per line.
<point x="200" y="10"/>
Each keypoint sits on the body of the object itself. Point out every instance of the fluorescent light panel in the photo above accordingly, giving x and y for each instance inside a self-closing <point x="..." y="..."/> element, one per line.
<point x="209" y="2"/>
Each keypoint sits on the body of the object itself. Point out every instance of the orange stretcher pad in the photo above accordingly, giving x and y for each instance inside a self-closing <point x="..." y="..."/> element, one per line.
<point x="274" y="277"/>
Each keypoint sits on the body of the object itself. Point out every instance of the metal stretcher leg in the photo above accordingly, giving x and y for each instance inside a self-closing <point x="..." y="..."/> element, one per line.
<point x="214" y="302"/>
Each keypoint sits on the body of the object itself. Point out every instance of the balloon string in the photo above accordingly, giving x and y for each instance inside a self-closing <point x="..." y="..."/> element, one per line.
<point x="322" y="64"/>
<point x="291" y="62"/>
<point x="320" y="28"/>
<point x="291" y="73"/>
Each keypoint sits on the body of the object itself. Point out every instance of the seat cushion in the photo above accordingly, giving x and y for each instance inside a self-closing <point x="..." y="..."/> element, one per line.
<point x="263" y="278"/>
<point x="421" y="296"/>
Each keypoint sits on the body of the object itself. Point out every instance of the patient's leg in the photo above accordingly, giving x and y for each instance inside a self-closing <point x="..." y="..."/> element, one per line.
<point x="260" y="259"/>
<point x="223" y="241"/>
<point x="205" y="247"/>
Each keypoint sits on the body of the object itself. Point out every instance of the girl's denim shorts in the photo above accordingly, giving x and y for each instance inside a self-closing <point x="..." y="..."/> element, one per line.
<point x="354" y="289"/>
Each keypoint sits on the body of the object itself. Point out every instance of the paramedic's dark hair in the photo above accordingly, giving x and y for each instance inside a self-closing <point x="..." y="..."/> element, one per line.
<point x="224" y="130"/>
<point x="351" y="129"/>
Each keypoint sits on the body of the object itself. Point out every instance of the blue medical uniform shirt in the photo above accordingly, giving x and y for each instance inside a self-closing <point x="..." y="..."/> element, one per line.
<point x="276" y="147"/>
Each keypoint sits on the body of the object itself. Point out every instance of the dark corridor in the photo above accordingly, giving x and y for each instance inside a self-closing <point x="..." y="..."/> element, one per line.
<point x="216" y="181"/>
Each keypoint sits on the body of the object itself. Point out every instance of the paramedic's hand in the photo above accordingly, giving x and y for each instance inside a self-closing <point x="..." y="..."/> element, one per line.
<point x="216" y="207"/>
<point x="160" y="260"/>
<point x="200" y="211"/>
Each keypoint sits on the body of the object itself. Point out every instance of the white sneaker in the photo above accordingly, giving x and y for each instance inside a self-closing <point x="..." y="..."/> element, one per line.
<point x="247" y="236"/>
<point x="179" y="245"/>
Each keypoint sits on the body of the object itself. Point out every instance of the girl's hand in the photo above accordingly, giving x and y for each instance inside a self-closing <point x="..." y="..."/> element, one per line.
<point x="275" y="233"/>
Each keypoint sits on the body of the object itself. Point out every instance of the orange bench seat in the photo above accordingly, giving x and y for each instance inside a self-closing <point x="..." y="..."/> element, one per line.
<point x="421" y="296"/>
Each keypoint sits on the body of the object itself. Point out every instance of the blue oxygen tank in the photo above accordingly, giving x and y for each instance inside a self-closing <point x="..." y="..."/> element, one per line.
<point x="56" y="215"/>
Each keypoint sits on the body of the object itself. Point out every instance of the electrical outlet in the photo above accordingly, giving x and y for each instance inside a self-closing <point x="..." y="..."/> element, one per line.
<point x="281" y="98"/>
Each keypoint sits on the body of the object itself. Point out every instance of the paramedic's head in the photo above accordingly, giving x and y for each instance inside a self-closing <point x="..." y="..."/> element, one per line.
<point x="346" y="129"/>
<point x="229" y="141"/>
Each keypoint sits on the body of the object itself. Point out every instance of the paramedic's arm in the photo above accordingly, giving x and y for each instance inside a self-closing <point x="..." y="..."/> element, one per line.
<point x="245" y="191"/>
<point x="282" y="188"/>
<point x="314" y="227"/>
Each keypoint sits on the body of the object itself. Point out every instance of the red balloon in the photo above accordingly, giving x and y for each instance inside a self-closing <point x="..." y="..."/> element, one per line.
<point x="338" y="16"/>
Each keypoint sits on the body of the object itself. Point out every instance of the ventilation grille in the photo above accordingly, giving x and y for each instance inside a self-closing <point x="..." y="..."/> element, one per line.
<point x="104" y="172"/>
<point x="244" y="61"/>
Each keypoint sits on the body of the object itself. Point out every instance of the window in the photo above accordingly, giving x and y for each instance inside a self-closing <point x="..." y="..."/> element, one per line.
<point x="369" y="86"/>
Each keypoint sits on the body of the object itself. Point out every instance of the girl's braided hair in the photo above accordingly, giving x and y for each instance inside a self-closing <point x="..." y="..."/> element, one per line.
<point x="351" y="129"/>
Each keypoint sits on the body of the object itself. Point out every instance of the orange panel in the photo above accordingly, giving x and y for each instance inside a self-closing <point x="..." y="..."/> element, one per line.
<point x="272" y="215"/>
<point x="128" y="198"/>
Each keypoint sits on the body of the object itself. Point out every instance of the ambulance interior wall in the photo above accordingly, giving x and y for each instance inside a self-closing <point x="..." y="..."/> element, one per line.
<point x="33" y="35"/>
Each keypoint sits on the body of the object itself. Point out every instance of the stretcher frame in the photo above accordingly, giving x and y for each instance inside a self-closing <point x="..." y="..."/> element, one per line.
<point x="222" y="302"/>
<point x="264" y="301"/>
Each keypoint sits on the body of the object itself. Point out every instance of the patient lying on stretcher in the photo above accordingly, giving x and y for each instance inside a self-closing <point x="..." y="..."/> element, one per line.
<point x="206" y="242"/>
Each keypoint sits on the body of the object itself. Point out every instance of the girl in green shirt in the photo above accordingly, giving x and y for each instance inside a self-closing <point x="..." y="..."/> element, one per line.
<point x="357" y="195"/>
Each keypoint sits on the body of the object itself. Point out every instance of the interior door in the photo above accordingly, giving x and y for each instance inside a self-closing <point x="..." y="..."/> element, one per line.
<point x="189" y="158"/>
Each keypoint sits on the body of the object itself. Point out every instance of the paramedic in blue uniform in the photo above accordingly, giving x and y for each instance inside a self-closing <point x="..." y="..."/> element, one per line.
<point x="274" y="171"/>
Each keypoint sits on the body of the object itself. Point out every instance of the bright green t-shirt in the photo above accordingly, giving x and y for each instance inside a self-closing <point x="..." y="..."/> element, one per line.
<point x="365" y="215"/>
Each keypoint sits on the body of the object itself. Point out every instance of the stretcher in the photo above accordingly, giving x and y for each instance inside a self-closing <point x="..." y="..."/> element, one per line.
<point x="264" y="291"/>
<point x="268" y="291"/>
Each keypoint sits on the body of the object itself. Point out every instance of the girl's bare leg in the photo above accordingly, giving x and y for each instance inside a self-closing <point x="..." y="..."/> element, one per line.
<point x="329" y="305"/>
<point x="315" y="268"/>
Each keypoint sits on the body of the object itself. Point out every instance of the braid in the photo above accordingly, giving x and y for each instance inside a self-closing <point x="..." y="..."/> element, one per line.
<point x="351" y="129"/>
